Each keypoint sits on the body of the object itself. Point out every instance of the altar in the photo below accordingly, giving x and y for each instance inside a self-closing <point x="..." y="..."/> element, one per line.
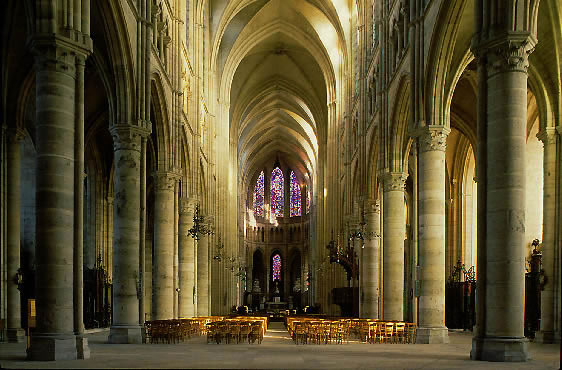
<point x="276" y="305"/>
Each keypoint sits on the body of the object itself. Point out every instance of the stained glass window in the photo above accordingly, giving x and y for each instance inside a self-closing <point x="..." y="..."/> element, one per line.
<point x="258" y="196"/>
<point x="307" y="202"/>
<point x="276" y="267"/>
<point x="277" y="192"/>
<point x="295" y="196"/>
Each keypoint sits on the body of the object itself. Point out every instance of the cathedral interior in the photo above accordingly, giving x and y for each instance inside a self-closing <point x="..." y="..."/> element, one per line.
<point x="390" y="160"/>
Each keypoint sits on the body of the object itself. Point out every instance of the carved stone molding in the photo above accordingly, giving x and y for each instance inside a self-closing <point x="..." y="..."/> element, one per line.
<point x="394" y="181"/>
<point x="127" y="137"/>
<point x="547" y="136"/>
<point x="433" y="138"/>
<point x="164" y="181"/>
<point x="510" y="56"/>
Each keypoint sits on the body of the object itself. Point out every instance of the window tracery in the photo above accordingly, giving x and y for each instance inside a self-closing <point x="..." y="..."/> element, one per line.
<point x="258" y="195"/>
<point x="295" y="195"/>
<point x="276" y="273"/>
<point x="277" y="197"/>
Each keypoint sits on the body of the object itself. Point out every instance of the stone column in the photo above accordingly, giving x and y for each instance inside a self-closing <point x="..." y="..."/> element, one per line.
<point x="501" y="337"/>
<point x="163" y="264"/>
<point x="547" y="330"/>
<point x="433" y="141"/>
<point x="393" y="245"/>
<point x="55" y="128"/>
<point x="175" y="274"/>
<point x="15" y="333"/>
<point x="81" y="342"/>
<point x="148" y="279"/>
<point x="126" y="277"/>
<point x="203" y="276"/>
<point x="370" y="281"/>
<point x="142" y="236"/>
<point x="186" y="254"/>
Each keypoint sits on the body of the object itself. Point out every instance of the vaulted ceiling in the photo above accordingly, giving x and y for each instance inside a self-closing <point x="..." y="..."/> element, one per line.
<point x="278" y="63"/>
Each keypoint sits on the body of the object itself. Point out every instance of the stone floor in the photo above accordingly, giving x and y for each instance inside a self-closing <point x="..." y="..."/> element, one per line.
<point x="277" y="351"/>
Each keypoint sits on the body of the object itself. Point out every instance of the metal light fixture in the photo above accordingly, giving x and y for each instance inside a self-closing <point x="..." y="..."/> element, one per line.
<point x="18" y="279"/>
<point x="199" y="228"/>
<point x="346" y="257"/>
<point x="361" y="233"/>
<point x="220" y="246"/>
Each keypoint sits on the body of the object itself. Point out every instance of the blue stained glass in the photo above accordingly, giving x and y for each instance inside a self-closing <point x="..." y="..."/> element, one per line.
<point x="276" y="267"/>
<point x="277" y="192"/>
<point x="258" y="196"/>
<point x="295" y="196"/>
<point x="307" y="202"/>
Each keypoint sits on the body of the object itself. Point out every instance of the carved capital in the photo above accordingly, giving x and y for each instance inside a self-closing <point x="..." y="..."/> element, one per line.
<point x="433" y="138"/>
<point x="127" y="137"/>
<point x="547" y="136"/>
<point x="394" y="181"/>
<point x="61" y="52"/>
<point x="187" y="206"/>
<point x="15" y="135"/>
<point x="510" y="56"/>
<point x="372" y="206"/>
<point x="164" y="181"/>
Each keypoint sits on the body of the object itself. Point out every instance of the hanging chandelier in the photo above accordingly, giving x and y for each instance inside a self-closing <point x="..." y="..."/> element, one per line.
<point x="199" y="228"/>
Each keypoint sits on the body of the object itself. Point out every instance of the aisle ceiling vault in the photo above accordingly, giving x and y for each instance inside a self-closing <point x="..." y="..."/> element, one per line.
<point x="278" y="62"/>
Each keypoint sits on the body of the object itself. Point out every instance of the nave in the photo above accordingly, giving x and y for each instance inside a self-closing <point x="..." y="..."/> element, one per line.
<point x="391" y="160"/>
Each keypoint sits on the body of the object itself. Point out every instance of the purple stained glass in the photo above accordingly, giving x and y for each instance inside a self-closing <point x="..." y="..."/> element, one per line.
<point x="295" y="196"/>
<point x="307" y="202"/>
<point x="276" y="267"/>
<point x="277" y="192"/>
<point x="258" y="196"/>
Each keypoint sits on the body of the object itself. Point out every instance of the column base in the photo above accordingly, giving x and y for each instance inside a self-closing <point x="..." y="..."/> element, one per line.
<point x="500" y="349"/>
<point x="546" y="337"/>
<point x="125" y="334"/>
<point x="432" y="335"/>
<point x="82" y="348"/>
<point x="45" y="347"/>
<point x="15" y="335"/>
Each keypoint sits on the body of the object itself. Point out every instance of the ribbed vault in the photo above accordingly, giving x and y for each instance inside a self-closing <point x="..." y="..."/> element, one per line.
<point x="278" y="63"/>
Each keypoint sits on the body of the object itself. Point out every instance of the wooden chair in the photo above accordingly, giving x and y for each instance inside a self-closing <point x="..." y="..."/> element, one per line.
<point x="410" y="332"/>
<point x="388" y="332"/>
<point x="314" y="332"/>
<point x="210" y="329"/>
<point x="378" y="328"/>
<point x="399" y="332"/>
<point x="234" y="332"/>
<point x="325" y="335"/>
<point x="364" y="332"/>
<point x="245" y="329"/>
<point x="300" y="333"/>
<point x="342" y="333"/>
<point x="256" y="333"/>
<point x="223" y="331"/>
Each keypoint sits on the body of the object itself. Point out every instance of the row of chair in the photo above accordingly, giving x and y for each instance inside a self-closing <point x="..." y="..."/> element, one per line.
<point x="236" y="331"/>
<point x="178" y="330"/>
<point x="311" y="330"/>
<point x="170" y="331"/>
